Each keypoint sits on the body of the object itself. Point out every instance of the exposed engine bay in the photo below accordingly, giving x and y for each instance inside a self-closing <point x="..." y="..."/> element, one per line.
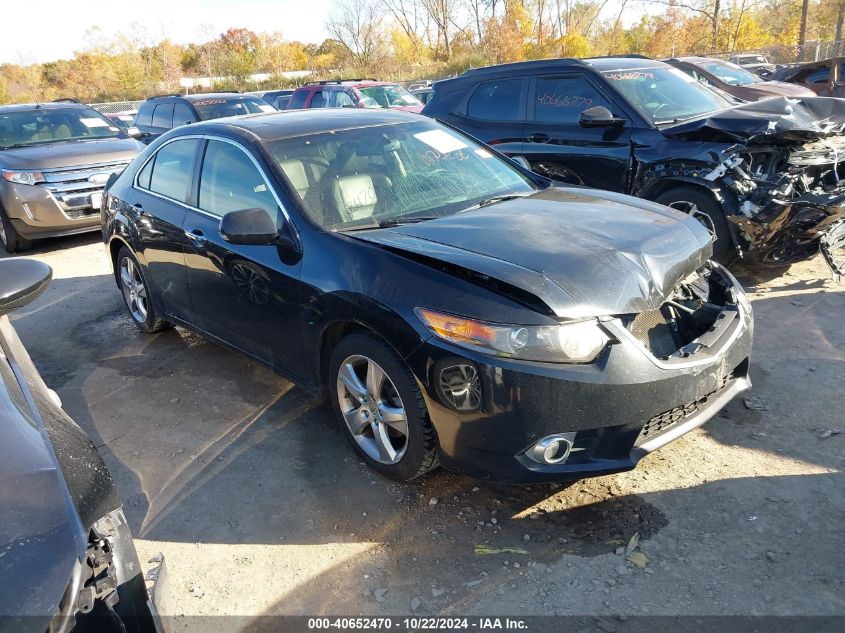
<point x="693" y="317"/>
<point x="790" y="201"/>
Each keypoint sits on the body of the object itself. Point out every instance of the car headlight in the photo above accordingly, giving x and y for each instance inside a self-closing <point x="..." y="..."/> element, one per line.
<point x="572" y="342"/>
<point x="23" y="177"/>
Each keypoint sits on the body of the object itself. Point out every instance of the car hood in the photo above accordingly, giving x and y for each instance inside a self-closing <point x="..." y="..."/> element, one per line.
<point x="70" y="153"/>
<point x="41" y="538"/>
<point x="775" y="120"/>
<point x="781" y="89"/>
<point x="582" y="252"/>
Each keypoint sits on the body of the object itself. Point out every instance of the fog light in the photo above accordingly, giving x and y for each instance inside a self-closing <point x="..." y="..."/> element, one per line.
<point x="553" y="449"/>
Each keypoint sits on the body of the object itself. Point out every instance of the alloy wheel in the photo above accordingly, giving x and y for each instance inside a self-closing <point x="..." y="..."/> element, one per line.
<point x="134" y="290"/>
<point x="372" y="409"/>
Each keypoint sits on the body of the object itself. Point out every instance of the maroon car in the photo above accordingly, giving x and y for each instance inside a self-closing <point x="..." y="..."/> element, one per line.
<point x="735" y="80"/>
<point x="355" y="93"/>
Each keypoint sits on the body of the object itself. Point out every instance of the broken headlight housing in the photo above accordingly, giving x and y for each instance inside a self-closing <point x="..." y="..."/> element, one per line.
<point x="570" y="342"/>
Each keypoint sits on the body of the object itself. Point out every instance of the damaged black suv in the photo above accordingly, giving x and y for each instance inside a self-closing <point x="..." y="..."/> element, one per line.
<point x="764" y="177"/>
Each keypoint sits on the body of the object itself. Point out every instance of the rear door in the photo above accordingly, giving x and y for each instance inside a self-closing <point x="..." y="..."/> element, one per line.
<point x="558" y="147"/>
<point x="161" y="192"/>
<point x="246" y="295"/>
<point x="494" y="112"/>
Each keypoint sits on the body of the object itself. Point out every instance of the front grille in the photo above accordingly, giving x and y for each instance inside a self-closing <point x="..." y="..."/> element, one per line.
<point x="72" y="187"/>
<point x="666" y="420"/>
<point x="654" y="330"/>
<point x="76" y="214"/>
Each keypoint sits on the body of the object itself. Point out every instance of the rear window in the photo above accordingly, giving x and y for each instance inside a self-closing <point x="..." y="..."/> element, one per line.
<point x="219" y="107"/>
<point x="145" y="114"/>
<point x="496" y="100"/>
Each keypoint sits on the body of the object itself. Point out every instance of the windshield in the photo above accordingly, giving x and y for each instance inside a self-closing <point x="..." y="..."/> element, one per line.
<point x="387" y="97"/>
<point x="36" y="126"/>
<point x="752" y="59"/>
<point x="729" y="73"/>
<point x="392" y="173"/>
<point x="664" y="94"/>
<point x="219" y="107"/>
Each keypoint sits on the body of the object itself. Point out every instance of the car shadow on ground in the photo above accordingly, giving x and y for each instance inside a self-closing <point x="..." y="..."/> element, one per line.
<point x="208" y="446"/>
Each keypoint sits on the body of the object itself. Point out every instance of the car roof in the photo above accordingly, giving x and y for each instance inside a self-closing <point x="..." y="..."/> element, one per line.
<point x="692" y="59"/>
<point x="215" y="95"/>
<point x="347" y="83"/>
<point x="622" y="62"/>
<point x="61" y="105"/>
<point x="293" y="123"/>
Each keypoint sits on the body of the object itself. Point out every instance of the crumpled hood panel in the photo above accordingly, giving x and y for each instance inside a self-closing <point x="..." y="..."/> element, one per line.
<point x="582" y="252"/>
<point x="779" y="119"/>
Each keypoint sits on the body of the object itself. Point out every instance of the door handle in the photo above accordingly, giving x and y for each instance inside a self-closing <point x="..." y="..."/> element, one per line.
<point x="539" y="138"/>
<point x="197" y="237"/>
<point x="140" y="208"/>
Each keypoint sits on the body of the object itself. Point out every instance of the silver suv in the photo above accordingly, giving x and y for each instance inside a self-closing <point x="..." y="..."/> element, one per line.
<point x="55" y="159"/>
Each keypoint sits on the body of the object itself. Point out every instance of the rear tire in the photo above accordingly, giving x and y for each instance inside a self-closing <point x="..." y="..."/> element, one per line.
<point x="136" y="294"/>
<point x="383" y="413"/>
<point x="10" y="238"/>
<point x="687" y="199"/>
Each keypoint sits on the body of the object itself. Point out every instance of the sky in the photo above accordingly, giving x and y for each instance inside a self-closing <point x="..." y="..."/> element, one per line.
<point x="58" y="28"/>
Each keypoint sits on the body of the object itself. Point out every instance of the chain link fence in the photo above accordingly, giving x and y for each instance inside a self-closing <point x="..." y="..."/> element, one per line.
<point x="116" y="106"/>
<point x="785" y="55"/>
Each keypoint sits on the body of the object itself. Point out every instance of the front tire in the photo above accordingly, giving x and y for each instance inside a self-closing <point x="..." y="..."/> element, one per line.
<point x="136" y="294"/>
<point x="379" y="405"/>
<point x="10" y="238"/>
<point x="690" y="200"/>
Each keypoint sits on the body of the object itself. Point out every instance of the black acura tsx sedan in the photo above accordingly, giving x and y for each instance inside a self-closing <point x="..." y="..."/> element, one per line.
<point x="457" y="308"/>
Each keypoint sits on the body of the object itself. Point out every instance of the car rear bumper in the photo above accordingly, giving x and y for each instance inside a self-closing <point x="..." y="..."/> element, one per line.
<point x="615" y="410"/>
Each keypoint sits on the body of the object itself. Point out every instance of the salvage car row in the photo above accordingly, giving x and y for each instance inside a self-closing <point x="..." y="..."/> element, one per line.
<point x="452" y="286"/>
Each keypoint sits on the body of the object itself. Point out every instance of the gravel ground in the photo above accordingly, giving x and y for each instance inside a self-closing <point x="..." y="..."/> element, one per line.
<point x="248" y="488"/>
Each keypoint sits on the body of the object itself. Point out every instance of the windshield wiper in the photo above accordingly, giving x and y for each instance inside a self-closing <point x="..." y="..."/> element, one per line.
<point x="16" y="145"/>
<point x="384" y="224"/>
<point x="388" y="223"/>
<point x="495" y="199"/>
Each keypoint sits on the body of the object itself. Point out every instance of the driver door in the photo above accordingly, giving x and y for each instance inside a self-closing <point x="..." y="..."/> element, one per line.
<point x="556" y="144"/>
<point x="246" y="295"/>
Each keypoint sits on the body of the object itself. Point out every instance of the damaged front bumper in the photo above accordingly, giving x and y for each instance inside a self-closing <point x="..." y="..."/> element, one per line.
<point x="788" y="231"/>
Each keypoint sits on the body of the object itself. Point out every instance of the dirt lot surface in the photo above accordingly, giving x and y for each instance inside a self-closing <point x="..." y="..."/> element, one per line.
<point x="249" y="489"/>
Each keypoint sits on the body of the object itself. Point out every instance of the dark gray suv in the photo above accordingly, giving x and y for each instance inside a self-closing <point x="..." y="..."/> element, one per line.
<point x="55" y="159"/>
<point x="159" y="114"/>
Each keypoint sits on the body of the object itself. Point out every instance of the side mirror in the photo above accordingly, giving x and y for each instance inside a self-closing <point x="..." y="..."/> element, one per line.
<point x="21" y="281"/>
<point x="248" y="226"/>
<point x="134" y="132"/>
<point x="598" y="116"/>
<point x="522" y="162"/>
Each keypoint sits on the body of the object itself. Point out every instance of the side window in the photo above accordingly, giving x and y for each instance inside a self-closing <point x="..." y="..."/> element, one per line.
<point x="496" y="100"/>
<point x="343" y="100"/>
<point x="563" y="99"/>
<point x="172" y="169"/>
<point x="182" y="114"/>
<point x="297" y="101"/>
<point x="163" y="116"/>
<point x="230" y="181"/>
<point x="819" y="76"/>
<point x="145" y="174"/>
<point x="697" y="76"/>
<point x="318" y="101"/>
<point x="145" y="114"/>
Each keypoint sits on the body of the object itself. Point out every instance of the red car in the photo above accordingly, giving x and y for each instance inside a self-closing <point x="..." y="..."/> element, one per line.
<point x="355" y="93"/>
